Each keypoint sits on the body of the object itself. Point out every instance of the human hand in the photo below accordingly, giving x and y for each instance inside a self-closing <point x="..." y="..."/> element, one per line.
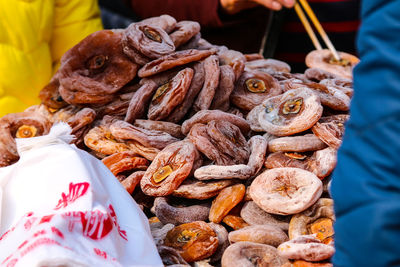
<point x="234" y="6"/>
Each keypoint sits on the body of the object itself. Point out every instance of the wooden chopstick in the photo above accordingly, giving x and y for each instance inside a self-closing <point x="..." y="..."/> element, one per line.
<point x="307" y="26"/>
<point x="319" y="28"/>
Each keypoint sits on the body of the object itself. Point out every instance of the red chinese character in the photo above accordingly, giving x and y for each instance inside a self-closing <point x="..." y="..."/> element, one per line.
<point x="46" y="219"/>
<point x="23" y="244"/>
<point x="96" y="224"/>
<point x="29" y="222"/>
<point x="40" y="232"/>
<point x="122" y="233"/>
<point x="57" y="232"/>
<point x="75" y="192"/>
<point x="72" y="217"/>
<point x="100" y="253"/>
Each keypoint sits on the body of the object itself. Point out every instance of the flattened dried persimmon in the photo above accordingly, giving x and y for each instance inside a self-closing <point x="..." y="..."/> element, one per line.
<point x="268" y="65"/>
<point x="323" y="59"/>
<point x="194" y="189"/>
<point x="178" y="214"/>
<point x="100" y="139"/>
<point x="170" y="167"/>
<point x="163" y="126"/>
<point x="262" y="233"/>
<point x="204" y="116"/>
<point x="124" y="161"/>
<point x="295" y="111"/>
<point x="211" y="81"/>
<point x="194" y="241"/>
<point x="308" y="142"/>
<point x="254" y="215"/>
<point x="173" y="60"/>
<point x="252" y="88"/>
<point x="226" y="200"/>
<point x="195" y="86"/>
<point x="249" y="254"/>
<point x="321" y="162"/>
<point x="235" y="222"/>
<point x="184" y="31"/>
<point x="331" y="129"/>
<point x="148" y="41"/>
<point x="19" y="125"/>
<point x="306" y="247"/>
<point x="318" y="219"/>
<point x="225" y="87"/>
<point x="285" y="191"/>
<point x="50" y="96"/>
<point x="94" y="69"/>
<point x="235" y="59"/>
<point x="330" y="96"/>
<point x="149" y="138"/>
<point x="170" y="95"/>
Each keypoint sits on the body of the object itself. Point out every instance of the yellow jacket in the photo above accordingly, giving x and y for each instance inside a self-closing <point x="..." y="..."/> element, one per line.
<point x="34" y="34"/>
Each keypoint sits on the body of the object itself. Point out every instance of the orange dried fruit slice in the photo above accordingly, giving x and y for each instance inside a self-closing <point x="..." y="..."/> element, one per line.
<point x="226" y="200"/>
<point x="194" y="241"/>
<point x="235" y="222"/>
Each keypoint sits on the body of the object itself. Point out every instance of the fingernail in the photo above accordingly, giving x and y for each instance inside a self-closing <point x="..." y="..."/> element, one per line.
<point x="288" y="3"/>
<point x="276" y="5"/>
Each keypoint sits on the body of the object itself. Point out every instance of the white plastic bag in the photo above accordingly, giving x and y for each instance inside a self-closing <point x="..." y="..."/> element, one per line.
<point x="60" y="206"/>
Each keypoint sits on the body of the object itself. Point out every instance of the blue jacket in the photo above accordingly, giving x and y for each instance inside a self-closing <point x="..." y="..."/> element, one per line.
<point x="366" y="182"/>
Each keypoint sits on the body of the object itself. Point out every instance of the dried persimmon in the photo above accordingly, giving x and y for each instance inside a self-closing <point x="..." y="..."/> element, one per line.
<point x="306" y="247"/>
<point x="173" y="60"/>
<point x="149" y="138"/>
<point x="285" y="190"/>
<point x="249" y="254"/>
<point x="170" y="95"/>
<point x="179" y="214"/>
<point x="317" y="219"/>
<point x="295" y="111"/>
<point x="235" y="222"/>
<point x="226" y="200"/>
<point x="254" y="215"/>
<point x="194" y="189"/>
<point x="184" y="31"/>
<point x="94" y="69"/>
<point x="149" y="41"/>
<point x="211" y="81"/>
<point x="331" y="129"/>
<point x="308" y="142"/>
<point x="19" y="125"/>
<point x="194" y="241"/>
<point x="169" y="168"/>
<point x="204" y="116"/>
<point x="252" y="88"/>
<point x="262" y="233"/>
<point x="323" y="59"/>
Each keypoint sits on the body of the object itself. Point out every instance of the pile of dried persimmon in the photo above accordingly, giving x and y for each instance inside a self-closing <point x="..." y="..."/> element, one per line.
<point x="229" y="155"/>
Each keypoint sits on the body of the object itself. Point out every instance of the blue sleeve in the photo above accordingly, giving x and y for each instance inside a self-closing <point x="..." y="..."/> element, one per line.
<point x="366" y="181"/>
